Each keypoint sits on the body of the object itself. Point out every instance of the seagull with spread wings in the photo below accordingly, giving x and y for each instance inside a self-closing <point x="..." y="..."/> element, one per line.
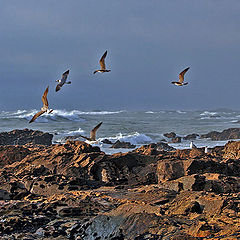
<point x="92" y="137"/>
<point x="102" y="64"/>
<point x="62" y="81"/>
<point x="44" y="108"/>
<point x="181" y="78"/>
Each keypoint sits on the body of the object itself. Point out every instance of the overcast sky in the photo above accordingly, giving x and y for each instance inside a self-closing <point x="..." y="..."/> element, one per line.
<point x="148" y="41"/>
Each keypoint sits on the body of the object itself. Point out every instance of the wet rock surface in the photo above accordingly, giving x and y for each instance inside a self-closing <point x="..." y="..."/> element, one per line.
<point x="75" y="191"/>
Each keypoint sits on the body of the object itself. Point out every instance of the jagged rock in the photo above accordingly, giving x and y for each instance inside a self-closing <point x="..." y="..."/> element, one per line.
<point x="119" y="144"/>
<point x="75" y="191"/>
<point x="232" y="150"/>
<point x="231" y="133"/>
<point x="191" y="136"/>
<point x="170" y="135"/>
<point x="22" y="137"/>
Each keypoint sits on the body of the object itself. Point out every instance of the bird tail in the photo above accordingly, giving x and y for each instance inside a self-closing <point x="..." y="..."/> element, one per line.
<point x="186" y="83"/>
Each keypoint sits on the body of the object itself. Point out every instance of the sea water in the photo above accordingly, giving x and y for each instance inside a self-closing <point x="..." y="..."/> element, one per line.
<point x="136" y="127"/>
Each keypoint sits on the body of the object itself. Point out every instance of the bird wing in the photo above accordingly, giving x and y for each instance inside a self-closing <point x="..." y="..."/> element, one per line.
<point x="58" y="87"/>
<point x="89" y="139"/>
<point x="181" y="75"/>
<point x="36" y="116"/>
<point x="93" y="132"/>
<point x="102" y="61"/>
<point x="64" y="76"/>
<point x="44" y="98"/>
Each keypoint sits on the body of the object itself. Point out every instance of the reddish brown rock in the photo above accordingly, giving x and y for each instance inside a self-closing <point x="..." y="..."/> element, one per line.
<point x="75" y="191"/>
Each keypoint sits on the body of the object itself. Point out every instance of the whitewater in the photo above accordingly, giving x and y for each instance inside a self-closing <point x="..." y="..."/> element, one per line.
<point x="136" y="127"/>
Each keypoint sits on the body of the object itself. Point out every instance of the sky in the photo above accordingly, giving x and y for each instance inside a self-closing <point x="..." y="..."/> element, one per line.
<point x="148" y="42"/>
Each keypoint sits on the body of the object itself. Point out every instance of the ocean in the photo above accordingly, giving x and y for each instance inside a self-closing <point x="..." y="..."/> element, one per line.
<point x="136" y="127"/>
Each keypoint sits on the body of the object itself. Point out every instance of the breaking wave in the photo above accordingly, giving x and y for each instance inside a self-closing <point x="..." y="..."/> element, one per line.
<point x="135" y="138"/>
<point x="56" y="115"/>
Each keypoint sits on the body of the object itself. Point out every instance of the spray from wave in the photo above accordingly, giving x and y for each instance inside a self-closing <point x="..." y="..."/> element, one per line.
<point x="135" y="138"/>
<point x="56" y="115"/>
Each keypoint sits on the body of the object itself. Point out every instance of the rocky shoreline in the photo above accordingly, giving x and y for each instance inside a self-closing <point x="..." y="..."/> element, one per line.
<point x="76" y="191"/>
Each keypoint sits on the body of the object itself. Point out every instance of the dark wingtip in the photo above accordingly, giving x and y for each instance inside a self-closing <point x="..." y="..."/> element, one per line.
<point x="67" y="72"/>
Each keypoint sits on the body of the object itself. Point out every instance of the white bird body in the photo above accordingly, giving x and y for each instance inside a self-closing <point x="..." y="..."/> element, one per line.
<point x="192" y="145"/>
<point x="62" y="81"/>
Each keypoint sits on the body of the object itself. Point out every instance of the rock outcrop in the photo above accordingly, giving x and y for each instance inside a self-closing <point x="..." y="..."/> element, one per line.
<point x="76" y="191"/>
<point x="231" y="133"/>
<point x="25" y="136"/>
<point x="119" y="144"/>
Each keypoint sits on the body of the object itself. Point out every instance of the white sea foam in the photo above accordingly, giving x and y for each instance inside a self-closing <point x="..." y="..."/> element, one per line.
<point x="181" y="112"/>
<point x="56" y="115"/>
<point x="207" y="113"/>
<point x="150" y="112"/>
<point x="135" y="138"/>
<point x="74" y="133"/>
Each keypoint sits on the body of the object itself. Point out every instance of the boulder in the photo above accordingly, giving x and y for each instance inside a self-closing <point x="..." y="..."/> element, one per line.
<point x="154" y="148"/>
<point x="170" y="135"/>
<point x="107" y="141"/>
<point x="191" y="136"/>
<point x="119" y="144"/>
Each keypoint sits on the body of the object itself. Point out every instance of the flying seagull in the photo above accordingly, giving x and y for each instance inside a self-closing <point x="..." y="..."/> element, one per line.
<point x="62" y="81"/>
<point x="181" y="78"/>
<point x="102" y="64"/>
<point x="93" y="133"/>
<point x="44" y="108"/>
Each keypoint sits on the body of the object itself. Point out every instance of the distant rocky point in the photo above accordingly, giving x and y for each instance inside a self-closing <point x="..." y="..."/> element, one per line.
<point x="25" y="136"/>
<point x="230" y="133"/>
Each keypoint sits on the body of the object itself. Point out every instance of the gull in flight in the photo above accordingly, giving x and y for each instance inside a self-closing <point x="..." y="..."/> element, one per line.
<point x="44" y="108"/>
<point x="102" y="64"/>
<point x="92" y="137"/>
<point x="181" y="78"/>
<point x="62" y="81"/>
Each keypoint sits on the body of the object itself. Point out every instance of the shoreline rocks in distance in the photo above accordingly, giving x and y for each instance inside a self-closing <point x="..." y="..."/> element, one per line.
<point x="227" y="134"/>
<point x="25" y="136"/>
<point x="119" y="144"/>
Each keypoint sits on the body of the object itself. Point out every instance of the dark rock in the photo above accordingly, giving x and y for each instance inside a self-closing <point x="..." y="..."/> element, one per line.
<point x="4" y="195"/>
<point x="170" y="135"/>
<point x="107" y="141"/>
<point x="191" y="136"/>
<point x="119" y="144"/>
<point x="231" y="133"/>
<point x="25" y="136"/>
